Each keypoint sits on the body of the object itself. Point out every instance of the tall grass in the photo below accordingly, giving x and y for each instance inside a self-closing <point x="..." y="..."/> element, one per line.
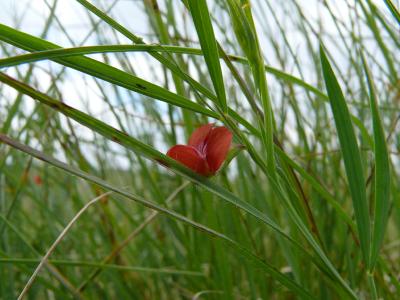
<point x="308" y="208"/>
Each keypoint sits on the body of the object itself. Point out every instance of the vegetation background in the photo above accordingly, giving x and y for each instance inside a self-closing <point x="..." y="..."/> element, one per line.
<point x="92" y="93"/>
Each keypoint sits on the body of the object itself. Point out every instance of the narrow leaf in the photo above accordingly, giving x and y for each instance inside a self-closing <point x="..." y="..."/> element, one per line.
<point x="205" y="31"/>
<point x="351" y="155"/>
<point x="102" y="71"/>
<point x="382" y="173"/>
<point x="394" y="11"/>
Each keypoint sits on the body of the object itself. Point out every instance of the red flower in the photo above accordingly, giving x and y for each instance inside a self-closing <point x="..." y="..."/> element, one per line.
<point x="37" y="180"/>
<point x="206" y="150"/>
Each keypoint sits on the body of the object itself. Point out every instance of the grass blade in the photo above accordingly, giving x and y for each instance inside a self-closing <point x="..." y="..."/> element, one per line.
<point x="382" y="173"/>
<point x="205" y="32"/>
<point x="102" y="71"/>
<point x="393" y="10"/>
<point x="100" y="265"/>
<point x="77" y="51"/>
<point x="351" y="155"/>
<point x="245" y="30"/>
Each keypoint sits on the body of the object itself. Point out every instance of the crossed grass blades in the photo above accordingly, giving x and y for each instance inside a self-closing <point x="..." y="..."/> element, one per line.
<point x="306" y="203"/>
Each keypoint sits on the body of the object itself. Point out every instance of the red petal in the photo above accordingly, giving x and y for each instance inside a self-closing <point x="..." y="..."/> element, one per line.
<point x="218" y="144"/>
<point x="38" y="180"/>
<point x="190" y="157"/>
<point x="199" y="136"/>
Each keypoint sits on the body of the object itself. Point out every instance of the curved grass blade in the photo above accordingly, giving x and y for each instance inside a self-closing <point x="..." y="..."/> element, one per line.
<point x="100" y="265"/>
<point x="102" y="71"/>
<point x="382" y="173"/>
<point x="351" y="155"/>
<point x="77" y="51"/>
<point x="166" y="61"/>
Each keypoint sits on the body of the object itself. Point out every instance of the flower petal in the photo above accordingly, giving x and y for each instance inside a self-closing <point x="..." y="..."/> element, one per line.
<point x="38" y="180"/>
<point x="199" y="136"/>
<point x="190" y="157"/>
<point x="218" y="144"/>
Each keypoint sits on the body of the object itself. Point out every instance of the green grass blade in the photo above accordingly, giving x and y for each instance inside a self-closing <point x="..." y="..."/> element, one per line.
<point x="245" y="31"/>
<point x="319" y="188"/>
<point x="382" y="173"/>
<point x="205" y="32"/>
<point x="102" y="71"/>
<point x="351" y="155"/>
<point x="77" y="51"/>
<point x="376" y="30"/>
<point x="166" y="61"/>
<point x="393" y="10"/>
<point x="77" y="263"/>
